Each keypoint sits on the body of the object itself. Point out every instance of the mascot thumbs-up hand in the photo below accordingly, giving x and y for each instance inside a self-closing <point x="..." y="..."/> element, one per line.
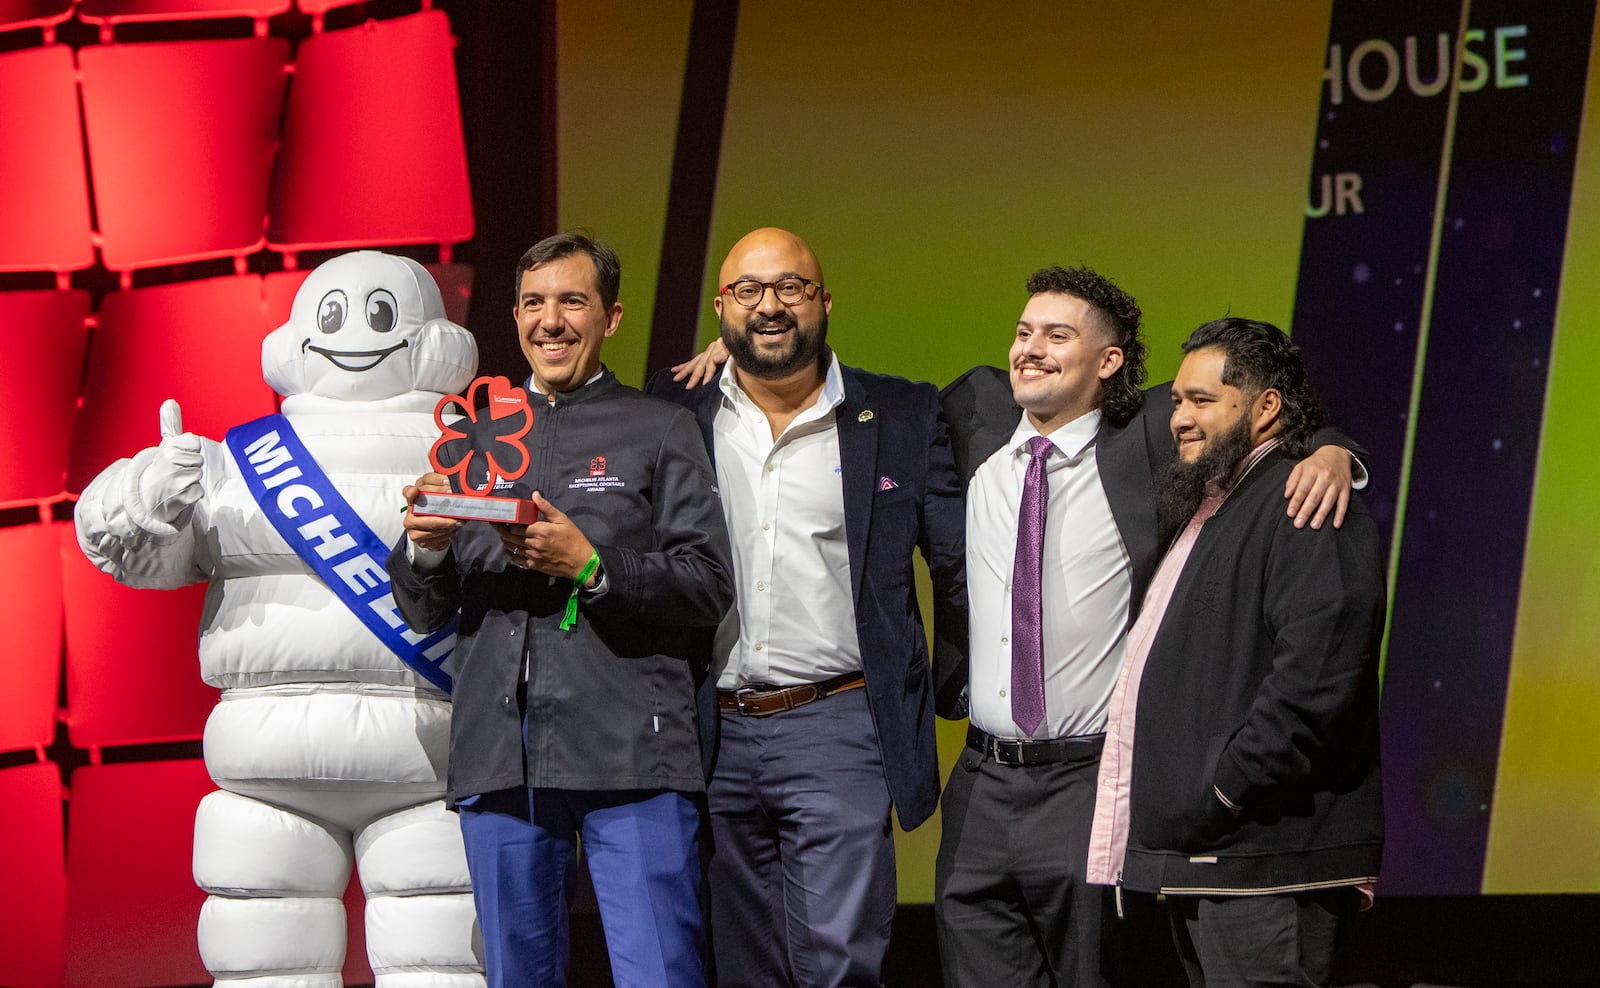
<point x="133" y="519"/>
<point x="163" y="482"/>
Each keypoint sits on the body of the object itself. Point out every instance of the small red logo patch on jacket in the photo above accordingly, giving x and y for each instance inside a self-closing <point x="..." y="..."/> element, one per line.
<point x="597" y="467"/>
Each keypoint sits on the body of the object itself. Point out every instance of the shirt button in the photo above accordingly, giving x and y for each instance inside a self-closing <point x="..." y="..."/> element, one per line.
<point x="770" y="468"/>
<point x="765" y="526"/>
<point x="759" y="646"/>
<point x="1002" y="693"/>
<point x="1005" y="640"/>
<point x="505" y="701"/>
<point x="761" y="586"/>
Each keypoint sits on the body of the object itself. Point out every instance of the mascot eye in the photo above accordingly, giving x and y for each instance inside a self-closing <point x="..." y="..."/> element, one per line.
<point x="382" y="311"/>
<point x="330" y="314"/>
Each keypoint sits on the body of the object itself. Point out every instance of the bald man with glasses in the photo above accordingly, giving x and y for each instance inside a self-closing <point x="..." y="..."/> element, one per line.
<point x="831" y="478"/>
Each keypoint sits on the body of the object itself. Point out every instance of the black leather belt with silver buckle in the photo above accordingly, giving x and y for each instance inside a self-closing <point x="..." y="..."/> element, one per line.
<point x="1009" y="751"/>
<point x="763" y="701"/>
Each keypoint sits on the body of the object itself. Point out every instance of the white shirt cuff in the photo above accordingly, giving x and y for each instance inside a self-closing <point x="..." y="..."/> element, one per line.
<point x="424" y="560"/>
<point x="1358" y="473"/>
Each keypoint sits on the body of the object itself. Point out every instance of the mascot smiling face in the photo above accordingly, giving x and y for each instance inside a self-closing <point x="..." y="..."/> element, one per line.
<point x="367" y="326"/>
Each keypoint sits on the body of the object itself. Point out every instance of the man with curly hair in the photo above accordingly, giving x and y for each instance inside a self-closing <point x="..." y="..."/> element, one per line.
<point x="1061" y="458"/>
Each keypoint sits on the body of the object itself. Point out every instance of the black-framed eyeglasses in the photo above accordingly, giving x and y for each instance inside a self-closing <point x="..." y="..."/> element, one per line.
<point x="790" y="291"/>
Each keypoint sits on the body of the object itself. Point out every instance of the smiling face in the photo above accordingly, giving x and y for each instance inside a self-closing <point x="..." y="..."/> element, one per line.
<point x="771" y="340"/>
<point x="356" y="318"/>
<point x="1058" y="359"/>
<point x="562" y="322"/>
<point x="1215" y="422"/>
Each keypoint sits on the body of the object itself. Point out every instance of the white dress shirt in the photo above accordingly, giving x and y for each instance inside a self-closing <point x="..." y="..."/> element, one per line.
<point x="793" y="620"/>
<point x="1086" y="577"/>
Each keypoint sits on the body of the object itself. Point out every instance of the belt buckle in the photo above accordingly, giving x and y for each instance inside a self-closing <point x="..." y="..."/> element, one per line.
<point x="998" y="751"/>
<point x="738" y="699"/>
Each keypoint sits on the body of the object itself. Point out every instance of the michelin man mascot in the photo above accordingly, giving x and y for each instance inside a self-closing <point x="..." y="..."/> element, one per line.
<point x="331" y="735"/>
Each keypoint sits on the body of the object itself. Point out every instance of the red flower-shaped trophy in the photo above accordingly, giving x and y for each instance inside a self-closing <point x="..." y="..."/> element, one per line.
<point x="482" y="452"/>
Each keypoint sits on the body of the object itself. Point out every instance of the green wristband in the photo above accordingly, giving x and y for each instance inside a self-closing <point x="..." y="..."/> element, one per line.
<point x="571" y="617"/>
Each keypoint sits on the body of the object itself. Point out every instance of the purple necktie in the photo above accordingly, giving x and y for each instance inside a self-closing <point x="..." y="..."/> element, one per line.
<point x="1027" y="601"/>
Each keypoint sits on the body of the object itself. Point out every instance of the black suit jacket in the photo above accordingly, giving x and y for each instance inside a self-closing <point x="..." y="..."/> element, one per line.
<point x="982" y="416"/>
<point x="890" y="429"/>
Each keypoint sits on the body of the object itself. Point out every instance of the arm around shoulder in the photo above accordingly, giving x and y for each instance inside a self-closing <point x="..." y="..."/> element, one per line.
<point x="943" y="544"/>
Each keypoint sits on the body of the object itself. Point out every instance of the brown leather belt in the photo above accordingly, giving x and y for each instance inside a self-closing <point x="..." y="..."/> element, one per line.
<point x="763" y="701"/>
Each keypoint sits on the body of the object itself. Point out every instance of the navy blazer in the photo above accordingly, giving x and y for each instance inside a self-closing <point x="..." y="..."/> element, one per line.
<point x="982" y="416"/>
<point x="900" y="493"/>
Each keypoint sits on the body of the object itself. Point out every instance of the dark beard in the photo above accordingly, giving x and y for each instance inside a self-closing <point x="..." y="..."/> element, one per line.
<point x="1181" y="486"/>
<point x="806" y="350"/>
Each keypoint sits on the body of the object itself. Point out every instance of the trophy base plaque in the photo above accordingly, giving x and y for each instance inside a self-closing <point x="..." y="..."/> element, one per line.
<point x="473" y="507"/>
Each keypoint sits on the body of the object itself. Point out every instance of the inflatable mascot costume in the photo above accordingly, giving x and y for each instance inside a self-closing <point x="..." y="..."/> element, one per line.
<point x="331" y="735"/>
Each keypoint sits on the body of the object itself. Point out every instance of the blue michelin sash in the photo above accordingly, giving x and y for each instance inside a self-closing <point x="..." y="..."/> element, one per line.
<point x="322" y="529"/>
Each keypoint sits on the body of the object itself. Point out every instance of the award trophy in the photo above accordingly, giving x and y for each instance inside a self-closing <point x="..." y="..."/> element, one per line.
<point x="481" y="451"/>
